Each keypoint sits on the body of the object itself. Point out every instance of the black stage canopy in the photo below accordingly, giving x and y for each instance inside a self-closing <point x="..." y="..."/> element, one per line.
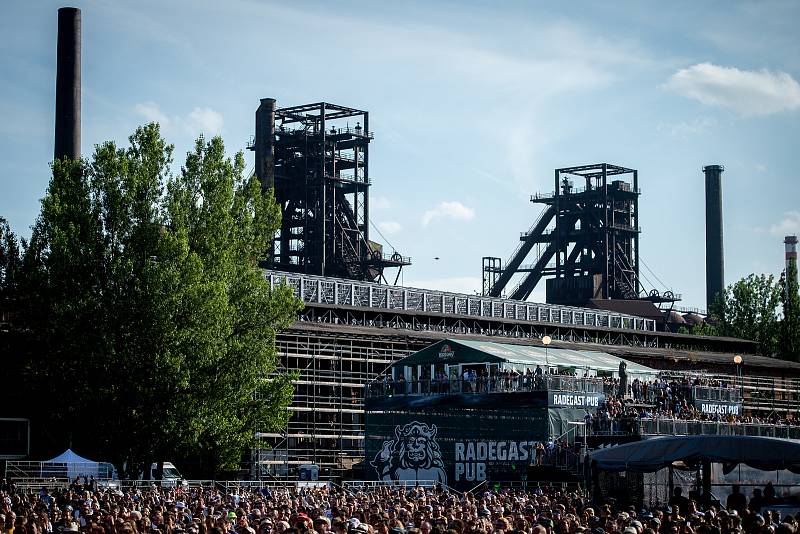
<point x="766" y="454"/>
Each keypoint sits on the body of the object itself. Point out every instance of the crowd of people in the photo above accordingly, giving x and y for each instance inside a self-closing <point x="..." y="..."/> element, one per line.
<point x="667" y="394"/>
<point x="478" y="380"/>
<point x="662" y="398"/>
<point x="381" y="510"/>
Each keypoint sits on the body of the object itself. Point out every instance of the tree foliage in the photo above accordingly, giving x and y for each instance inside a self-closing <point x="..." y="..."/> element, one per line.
<point x="705" y="329"/>
<point x="790" y="326"/>
<point x="10" y="264"/>
<point x="749" y="310"/>
<point x="157" y="326"/>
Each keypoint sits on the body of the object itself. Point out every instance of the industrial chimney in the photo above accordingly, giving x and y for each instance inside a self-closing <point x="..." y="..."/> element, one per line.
<point x="265" y="143"/>
<point x="790" y="242"/>
<point x="68" y="84"/>
<point x="715" y="259"/>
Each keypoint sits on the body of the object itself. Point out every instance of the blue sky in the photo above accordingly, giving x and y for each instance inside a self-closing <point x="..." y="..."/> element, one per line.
<point x="473" y="105"/>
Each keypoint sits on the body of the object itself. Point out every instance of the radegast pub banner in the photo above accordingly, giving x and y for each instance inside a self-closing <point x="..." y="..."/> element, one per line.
<point x="721" y="408"/>
<point x="457" y="448"/>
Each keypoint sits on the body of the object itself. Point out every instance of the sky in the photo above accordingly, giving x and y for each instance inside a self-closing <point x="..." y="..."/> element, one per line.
<point x="473" y="104"/>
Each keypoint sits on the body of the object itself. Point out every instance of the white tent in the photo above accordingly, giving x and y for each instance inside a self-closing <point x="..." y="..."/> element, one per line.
<point x="69" y="464"/>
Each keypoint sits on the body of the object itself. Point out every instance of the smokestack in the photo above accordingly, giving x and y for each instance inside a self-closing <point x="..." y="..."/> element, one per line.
<point x="265" y="143"/>
<point x="715" y="259"/>
<point x="790" y="241"/>
<point x="68" y="84"/>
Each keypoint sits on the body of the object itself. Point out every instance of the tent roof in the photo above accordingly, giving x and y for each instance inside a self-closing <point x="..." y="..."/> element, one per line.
<point x="69" y="457"/>
<point x="466" y="351"/>
<point x="650" y="455"/>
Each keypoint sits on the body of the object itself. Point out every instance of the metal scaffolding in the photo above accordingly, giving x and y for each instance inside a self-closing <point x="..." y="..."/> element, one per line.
<point x="350" y="332"/>
<point x="336" y="361"/>
<point x="327" y="423"/>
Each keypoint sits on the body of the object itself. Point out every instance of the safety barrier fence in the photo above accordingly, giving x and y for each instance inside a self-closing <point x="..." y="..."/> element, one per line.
<point x="370" y="485"/>
<point x="725" y="394"/>
<point x="22" y="469"/>
<point x="677" y="427"/>
<point x="35" y="484"/>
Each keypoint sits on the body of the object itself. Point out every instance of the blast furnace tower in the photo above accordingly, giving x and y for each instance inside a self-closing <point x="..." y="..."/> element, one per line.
<point x="316" y="157"/>
<point x="592" y="251"/>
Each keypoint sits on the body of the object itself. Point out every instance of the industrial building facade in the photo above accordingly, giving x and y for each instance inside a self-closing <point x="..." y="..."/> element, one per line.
<point x="338" y="345"/>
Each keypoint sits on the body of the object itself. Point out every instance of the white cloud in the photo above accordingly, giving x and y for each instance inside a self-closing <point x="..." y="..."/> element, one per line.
<point x="204" y="121"/>
<point x="789" y="225"/>
<point x="687" y="129"/>
<point x="748" y="92"/>
<point x="467" y="285"/>
<point x="448" y="209"/>
<point x="152" y="113"/>
<point x="390" y="227"/>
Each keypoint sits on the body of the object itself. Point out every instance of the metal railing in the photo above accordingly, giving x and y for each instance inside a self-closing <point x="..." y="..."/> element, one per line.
<point x="56" y="470"/>
<point x="712" y="428"/>
<point x="548" y="195"/>
<point x="716" y="394"/>
<point x="334" y="291"/>
<point x="679" y="427"/>
<point x="369" y="485"/>
<point x="491" y="384"/>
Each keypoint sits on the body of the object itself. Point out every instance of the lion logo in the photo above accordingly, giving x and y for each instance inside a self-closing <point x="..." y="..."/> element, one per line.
<point x="414" y="454"/>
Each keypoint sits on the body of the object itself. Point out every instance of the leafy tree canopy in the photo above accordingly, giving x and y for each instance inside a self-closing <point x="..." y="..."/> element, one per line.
<point x="156" y="326"/>
<point x="749" y="310"/>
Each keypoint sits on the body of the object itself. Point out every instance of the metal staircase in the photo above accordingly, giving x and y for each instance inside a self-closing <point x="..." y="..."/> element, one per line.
<point x="527" y="241"/>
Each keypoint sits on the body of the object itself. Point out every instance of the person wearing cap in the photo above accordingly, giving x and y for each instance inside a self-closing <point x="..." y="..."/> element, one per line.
<point x="265" y="526"/>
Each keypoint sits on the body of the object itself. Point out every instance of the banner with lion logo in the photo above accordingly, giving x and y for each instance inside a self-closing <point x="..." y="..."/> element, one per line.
<point x="414" y="454"/>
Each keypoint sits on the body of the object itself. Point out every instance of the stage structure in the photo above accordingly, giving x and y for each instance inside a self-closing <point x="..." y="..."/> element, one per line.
<point x="462" y="412"/>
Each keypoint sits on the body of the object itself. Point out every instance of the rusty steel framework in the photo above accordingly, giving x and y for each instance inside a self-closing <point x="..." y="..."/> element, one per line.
<point x="592" y="249"/>
<point x="317" y="164"/>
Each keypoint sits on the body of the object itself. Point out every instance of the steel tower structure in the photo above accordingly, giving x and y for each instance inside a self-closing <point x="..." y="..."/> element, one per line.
<point x="591" y="252"/>
<point x="317" y="163"/>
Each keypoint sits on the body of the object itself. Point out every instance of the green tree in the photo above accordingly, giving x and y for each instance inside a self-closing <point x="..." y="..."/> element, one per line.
<point x="158" y="325"/>
<point x="790" y="325"/>
<point x="705" y="329"/>
<point x="10" y="264"/>
<point x="748" y="310"/>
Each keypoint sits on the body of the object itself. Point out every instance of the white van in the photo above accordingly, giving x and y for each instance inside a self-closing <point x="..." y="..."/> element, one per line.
<point x="170" y="477"/>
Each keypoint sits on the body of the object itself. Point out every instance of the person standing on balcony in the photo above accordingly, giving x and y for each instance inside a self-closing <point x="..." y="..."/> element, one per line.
<point x="736" y="500"/>
<point x="623" y="380"/>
